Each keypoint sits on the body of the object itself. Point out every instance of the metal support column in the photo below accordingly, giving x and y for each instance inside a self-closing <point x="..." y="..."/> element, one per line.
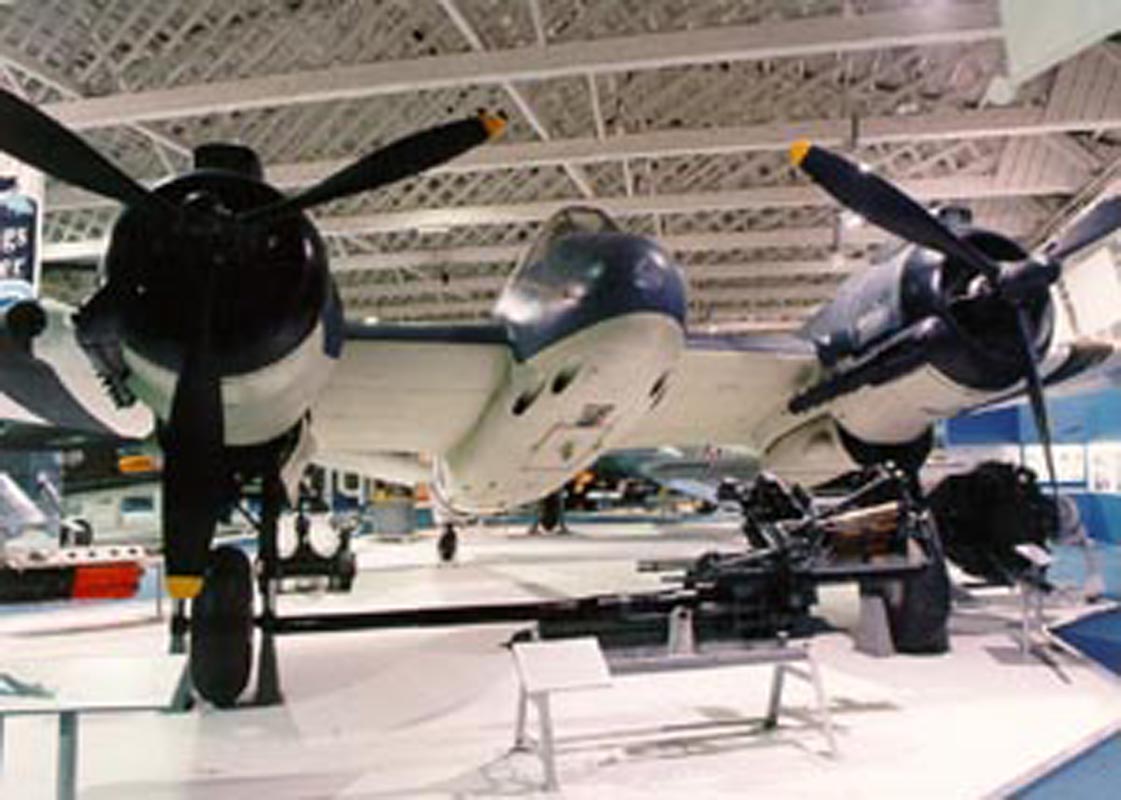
<point x="178" y="627"/>
<point x="68" y="755"/>
<point x="268" y="674"/>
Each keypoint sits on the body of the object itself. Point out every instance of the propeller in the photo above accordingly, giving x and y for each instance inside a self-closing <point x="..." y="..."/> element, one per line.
<point x="889" y="207"/>
<point x="196" y="476"/>
<point x="41" y="141"/>
<point x="886" y="205"/>
<point x="1104" y="219"/>
<point x="410" y="155"/>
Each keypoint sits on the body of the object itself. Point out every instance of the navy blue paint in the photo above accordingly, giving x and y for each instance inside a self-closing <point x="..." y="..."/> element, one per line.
<point x="1101" y="515"/>
<point x="333" y="324"/>
<point x="989" y="427"/>
<point x="457" y="334"/>
<point x="1097" y="635"/>
<point x="1095" y="773"/>
<point x="1088" y="417"/>
<point x="584" y="279"/>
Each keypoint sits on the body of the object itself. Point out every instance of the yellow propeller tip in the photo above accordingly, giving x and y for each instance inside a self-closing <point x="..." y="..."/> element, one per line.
<point x="494" y="125"/>
<point x="799" y="150"/>
<point x="184" y="587"/>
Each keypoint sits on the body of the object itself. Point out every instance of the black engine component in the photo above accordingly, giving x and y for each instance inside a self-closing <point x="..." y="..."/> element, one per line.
<point x="340" y="566"/>
<point x="984" y="514"/>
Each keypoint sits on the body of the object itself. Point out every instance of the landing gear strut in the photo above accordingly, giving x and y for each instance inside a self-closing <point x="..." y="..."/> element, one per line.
<point x="221" y="622"/>
<point x="268" y="676"/>
<point x="550" y="515"/>
<point x="448" y="543"/>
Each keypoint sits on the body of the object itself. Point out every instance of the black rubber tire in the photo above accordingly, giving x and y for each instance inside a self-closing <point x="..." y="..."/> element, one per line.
<point x="447" y="544"/>
<point x="919" y="610"/>
<point x="348" y="567"/>
<point x="222" y="628"/>
<point x="83" y="533"/>
<point x="551" y="511"/>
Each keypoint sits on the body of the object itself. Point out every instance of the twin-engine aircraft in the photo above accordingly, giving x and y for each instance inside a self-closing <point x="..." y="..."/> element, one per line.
<point x="217" y="312"/>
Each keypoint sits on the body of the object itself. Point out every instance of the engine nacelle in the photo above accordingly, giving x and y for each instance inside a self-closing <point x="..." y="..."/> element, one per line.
<point x="919" y="338"/>
<point x="276" y="320"/>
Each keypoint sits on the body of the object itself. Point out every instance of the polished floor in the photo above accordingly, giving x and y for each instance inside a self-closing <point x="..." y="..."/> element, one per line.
<point x="430" y="713"/>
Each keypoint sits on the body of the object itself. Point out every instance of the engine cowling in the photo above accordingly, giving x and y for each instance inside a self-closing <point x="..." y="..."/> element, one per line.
<point x="276" y="317"/>
<point x="918" y="338"/>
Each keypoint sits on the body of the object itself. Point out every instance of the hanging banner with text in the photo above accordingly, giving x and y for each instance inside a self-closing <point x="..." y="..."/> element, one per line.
<point x="21" y="226"/>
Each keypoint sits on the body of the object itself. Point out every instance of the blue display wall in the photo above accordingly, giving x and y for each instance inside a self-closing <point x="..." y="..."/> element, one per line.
<point x="1087" y="431"/>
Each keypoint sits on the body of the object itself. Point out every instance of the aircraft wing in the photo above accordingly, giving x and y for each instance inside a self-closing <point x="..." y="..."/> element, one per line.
<point x="409" y="388"/>
<point x="724" y="388"/>
<point x="50" y="396"/>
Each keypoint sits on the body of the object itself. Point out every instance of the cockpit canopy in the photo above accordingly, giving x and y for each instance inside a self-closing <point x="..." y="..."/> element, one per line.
<point x="567" y="221"/>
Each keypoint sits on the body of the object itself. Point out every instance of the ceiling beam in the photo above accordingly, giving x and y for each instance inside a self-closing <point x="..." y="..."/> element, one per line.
<point x="91" y="249"/>
<point x="516" y="95"/>
<point x="940" y="126"/>
<point x="68" y="88"/>
<point x="957" y="187"/>
<point x="939" y="24"/>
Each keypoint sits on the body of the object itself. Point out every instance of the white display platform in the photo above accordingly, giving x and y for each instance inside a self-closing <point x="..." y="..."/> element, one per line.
<point x="429" y="713"/>
<point x="71" y="687"/>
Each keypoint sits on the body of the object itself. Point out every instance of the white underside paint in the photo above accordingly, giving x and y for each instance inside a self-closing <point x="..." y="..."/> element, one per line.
<point x="901" y="410"/>
<point x="506" y="460"/>
<point x="258" y="405"/>
<point x="58" y="347"/>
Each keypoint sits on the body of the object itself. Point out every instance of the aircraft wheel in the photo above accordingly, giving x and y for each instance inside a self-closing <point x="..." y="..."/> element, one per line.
<point x="447" y="544"/>
<point x="83" y="533"/>
<point x="345" y="570"/>
<point x="552" y="509"/>
<point x="222" y="628"/>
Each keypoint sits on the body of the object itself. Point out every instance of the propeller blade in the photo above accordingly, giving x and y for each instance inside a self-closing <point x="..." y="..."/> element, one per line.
<point x="1104" y="219"/>
<point x="400" y="159"/>
<point x="40" y="141"/>
<point x="886" y="205"/>
<point x="1035" y="395"/>
<point x="195" y="479"/>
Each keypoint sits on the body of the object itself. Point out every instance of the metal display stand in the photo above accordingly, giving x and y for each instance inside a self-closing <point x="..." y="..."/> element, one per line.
<point x="564" y="665"/>
<point x="1033" y="589"/>
<point x="73" y="687"/>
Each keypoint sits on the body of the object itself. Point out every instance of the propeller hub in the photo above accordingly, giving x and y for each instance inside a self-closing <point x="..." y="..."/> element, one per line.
<point x="226" y="157"/>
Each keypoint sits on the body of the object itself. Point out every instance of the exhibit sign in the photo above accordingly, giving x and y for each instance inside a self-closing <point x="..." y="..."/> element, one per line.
<point x="1105" y="467"/>
<point x="21" y="204"/>
<point x="1070" y="462"/>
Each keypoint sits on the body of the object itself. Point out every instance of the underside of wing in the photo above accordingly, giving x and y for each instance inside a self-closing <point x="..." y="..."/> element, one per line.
<point x="51" y="397"/>
<point x="410" y="388"/>
<point x="725" y="388"/>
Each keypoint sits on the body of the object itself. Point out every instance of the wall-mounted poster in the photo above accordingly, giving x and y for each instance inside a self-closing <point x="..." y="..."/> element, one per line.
<point x="1104" y="467"/>
<point x="21" y="203"/>
<point x="1070" y="462"/>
